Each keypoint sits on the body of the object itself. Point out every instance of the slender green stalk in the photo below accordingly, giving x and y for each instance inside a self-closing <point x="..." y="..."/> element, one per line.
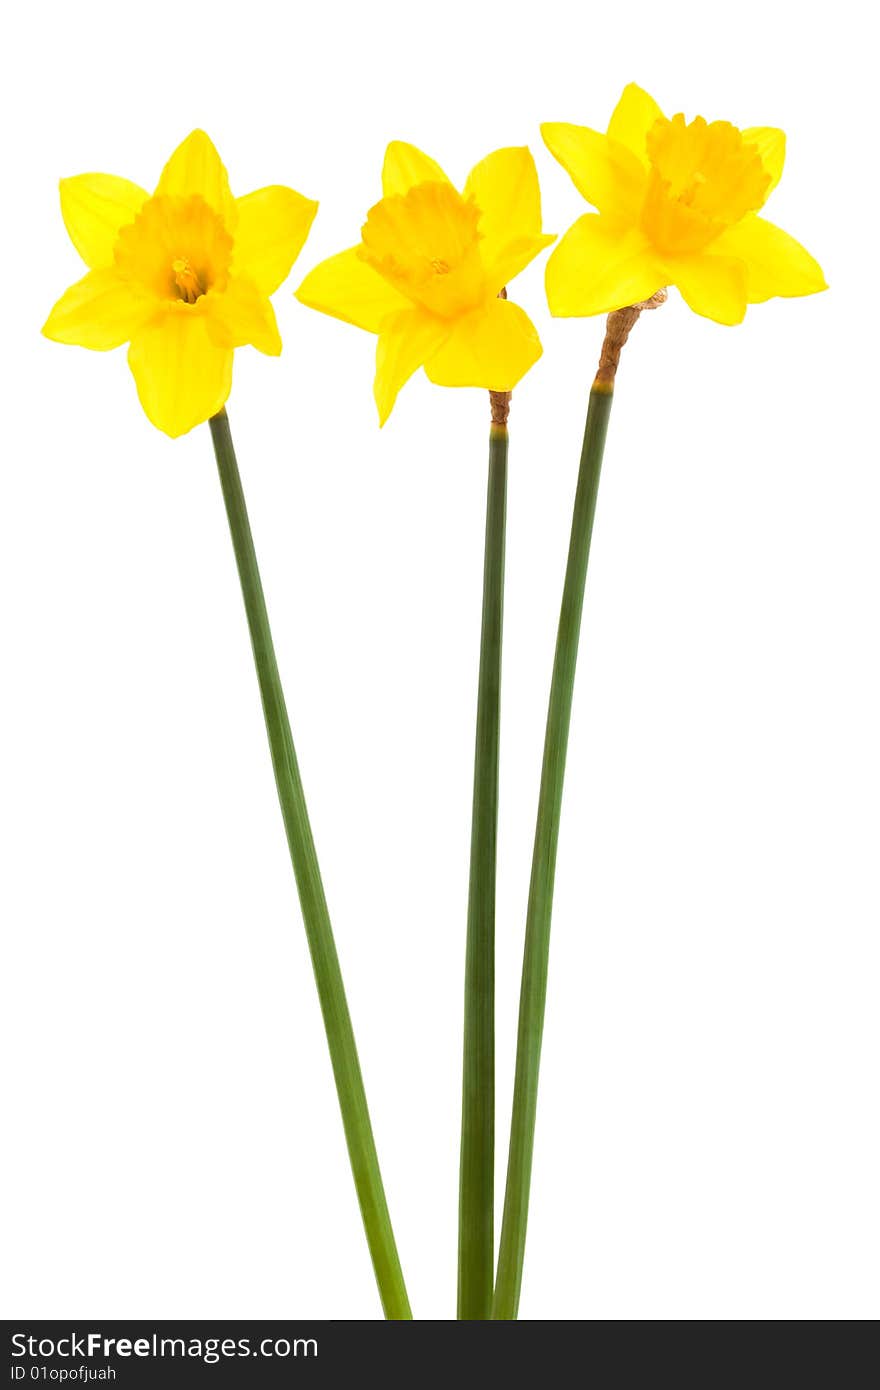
<point x="533" y="991"/>
<point x="328" y="977"/>
<point x="476" y="1229"/>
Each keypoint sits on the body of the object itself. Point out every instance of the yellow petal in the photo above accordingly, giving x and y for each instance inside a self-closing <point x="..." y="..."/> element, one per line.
<point x="631" y="120"/>
<point x="183" y="377"/>
<point x="95" y="207"/>
<point x="504" y="187"/>
<point x="405" y="165"/>
<point x="714" y="286"/>
<point x="775" y="264"/>
<point x="597" y="268"/>
<point x="603" y="171"/>
<point x="196" y="168"/>
<point x="771" y="147"/>
<point x="349" y="289"/>
<point x="513" y="258"/>
<point x="406" y="342"/>
<point x="493" y="347"/>
<point x="101" y="311"/>
<point x="273" y="224"/>
<point x="240" y="315"/>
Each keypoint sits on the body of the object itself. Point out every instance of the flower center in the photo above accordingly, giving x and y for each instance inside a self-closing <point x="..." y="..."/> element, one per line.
<point x="426" y="244"/>
<point x="704" y="177"/>
<point x="187" y="281"/>
<point x="178" y="248"/>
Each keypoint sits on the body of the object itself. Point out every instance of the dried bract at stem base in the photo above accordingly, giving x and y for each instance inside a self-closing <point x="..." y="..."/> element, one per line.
<point x="499" y="404"/>
<point x="618" y="328"/>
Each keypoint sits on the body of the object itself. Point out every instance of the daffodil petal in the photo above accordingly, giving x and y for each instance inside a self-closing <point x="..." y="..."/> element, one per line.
<point x="513" y="258"/>
<point x="597" y="268"/>
<point x="101" y="311"/>
<point x="775" y="264"/>
<point x="711" y="285"/>
<point x="632" y="118"/>
<point x="493" y="347"/>
<point x="406" y="165"/>
<point x="195" y="168"/>
<point x="183" y="376"/>
<point x="602" y="170"/>
<point x="241" y="315"/>
<point x="95" y="207"/>
<point x="771" y="147"/>
<point x="349" y="289"/>
<point x="272" y="226"/>
<point x="505" y="188"/>
<point x="407" y="340"/>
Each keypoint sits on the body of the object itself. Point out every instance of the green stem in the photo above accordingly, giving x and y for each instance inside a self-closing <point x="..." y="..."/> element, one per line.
<point x="476" y="1232"/>
<point x="533" y="991"/>
<point x="328" y="977"/>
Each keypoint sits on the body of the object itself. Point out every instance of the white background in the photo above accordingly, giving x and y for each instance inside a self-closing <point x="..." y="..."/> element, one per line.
<point x="707" y="1141"/>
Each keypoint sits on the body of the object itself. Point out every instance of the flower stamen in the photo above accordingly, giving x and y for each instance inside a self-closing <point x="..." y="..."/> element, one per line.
<point x="189" y="286"/>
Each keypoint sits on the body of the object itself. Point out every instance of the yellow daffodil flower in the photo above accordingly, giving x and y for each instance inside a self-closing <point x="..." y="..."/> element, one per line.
<point x="184" y="276"/>
<point x="429" y="268"/>
<point x="678" y="204"/>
